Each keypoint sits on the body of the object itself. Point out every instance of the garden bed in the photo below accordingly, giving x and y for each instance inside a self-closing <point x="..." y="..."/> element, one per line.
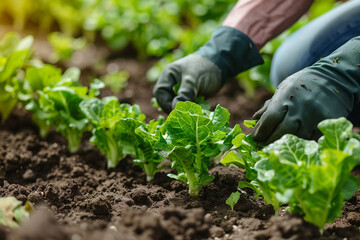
<point x="77" y="197"/>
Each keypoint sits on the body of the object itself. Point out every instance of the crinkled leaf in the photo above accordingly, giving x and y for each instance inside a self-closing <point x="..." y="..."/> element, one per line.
<point x="293" y="150"/>
<point x="227" y="144"/>
<point x="40" y="78"/>
<point x="336" y="133"/>
<point x="185" y="125"/>
<point x="220" y="118"/>
<point x="92" y="109"/>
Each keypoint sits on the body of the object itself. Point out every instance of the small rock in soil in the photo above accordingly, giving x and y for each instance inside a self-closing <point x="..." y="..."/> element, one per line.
<point x="52" y="193"/>
<point x="99" y="206"/>
<point x="140" y="197"/>
<point x="29" y="175"/>
<point x="354" y="218"/>
<point x="128" y="201"/>
<point x="228" y="225"/>
<point x="157" y="196"/>
<point x="77" y="172"/>
<point x="35" y="197"/>
<point x="342" y="229"/>
<point x="217" y="232"/>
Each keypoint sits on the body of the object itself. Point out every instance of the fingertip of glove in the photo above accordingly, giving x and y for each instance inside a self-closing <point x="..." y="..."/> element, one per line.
<point x="256" y="116"/>
<point x="257" y="136"/>
<point x="164" y="99"/>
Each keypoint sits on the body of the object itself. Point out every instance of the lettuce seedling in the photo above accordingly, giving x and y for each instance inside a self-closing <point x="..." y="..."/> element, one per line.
<point x="14" y="54"/>
<point x="148" y="158"/>
<point x="114" y="127"/>
<point x="12" y="212"/>
<point x="61" y="104"/>
<point x="55" y="101"/>
<point x="313" y="178"/>
<point x="120" y="129"/>
<point x="192" y="137"/>
<point x="233" y="199"/>
<point x="37" y="79"/>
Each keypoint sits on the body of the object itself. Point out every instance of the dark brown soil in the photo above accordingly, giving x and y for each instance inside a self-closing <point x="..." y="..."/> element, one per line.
<point x="77" y="197"/>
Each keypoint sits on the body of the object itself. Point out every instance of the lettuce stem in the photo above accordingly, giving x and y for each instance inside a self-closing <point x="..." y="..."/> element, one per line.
<point x="149" y="171"/>
<point x="44" y="131"/>
<point x="113" y="153"/>
<point x="194" y="188"/>
<point x="74" y="139"/>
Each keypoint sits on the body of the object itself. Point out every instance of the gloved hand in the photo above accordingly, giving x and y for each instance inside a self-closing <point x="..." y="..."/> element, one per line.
<point x="204" y="72"/>
<point x="328" y="89"/>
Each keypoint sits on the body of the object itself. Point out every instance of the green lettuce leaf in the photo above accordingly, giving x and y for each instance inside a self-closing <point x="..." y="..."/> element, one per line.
<point x="193" y="136"/>
<point x="312" y="178"/>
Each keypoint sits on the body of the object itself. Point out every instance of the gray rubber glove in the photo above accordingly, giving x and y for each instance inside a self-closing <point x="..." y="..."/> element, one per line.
<point x="203" y="73"/>
<point x="328" y="89"/>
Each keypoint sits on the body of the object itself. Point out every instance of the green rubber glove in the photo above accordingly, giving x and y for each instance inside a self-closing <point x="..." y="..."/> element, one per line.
<point x="204" y="72"/>
<point x="328" y="89"/>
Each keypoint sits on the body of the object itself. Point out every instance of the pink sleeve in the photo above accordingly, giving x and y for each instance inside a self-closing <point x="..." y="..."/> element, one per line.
<point x="262" y="20"/>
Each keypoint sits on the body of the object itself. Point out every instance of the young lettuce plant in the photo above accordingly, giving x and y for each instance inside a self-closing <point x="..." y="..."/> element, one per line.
<point x="313" y="178"/>
<point x="56" y="102"/>
<point x="37" y="79"/>
<point x="120" y="129"/>
<point x="14" y="54"/>
<point x="114" y="127"/>
<point x="146" y="136"/>
<point x="192" y="137"/>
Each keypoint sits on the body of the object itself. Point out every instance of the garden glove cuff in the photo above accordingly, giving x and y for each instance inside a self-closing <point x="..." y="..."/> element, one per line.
<point x="204" y="72"/>
<point x="328" y="89"/>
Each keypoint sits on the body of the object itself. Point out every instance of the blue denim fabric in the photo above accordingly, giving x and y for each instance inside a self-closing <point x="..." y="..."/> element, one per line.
<point x="318" y="39"/>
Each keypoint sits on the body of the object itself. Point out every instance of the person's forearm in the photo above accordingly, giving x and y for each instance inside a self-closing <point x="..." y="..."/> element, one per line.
<point x="262" y="20"/>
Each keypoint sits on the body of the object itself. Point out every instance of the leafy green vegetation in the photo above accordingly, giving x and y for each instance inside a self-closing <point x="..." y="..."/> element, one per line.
<point x="112" y="123"/>
<point x="13" y="212"/>
<point x="116" y="80"/>
<point x="64" y="46"/>
<point x="120" y="129"/>
<point x="54" y="100"/>
<point x="192" y="137"/>
<point x="14" y="55"/>
<point x="160" y="26"/>
<point x="148" y="158"/>
<point x="313" y="178"/>
<point x="37" y="79"/>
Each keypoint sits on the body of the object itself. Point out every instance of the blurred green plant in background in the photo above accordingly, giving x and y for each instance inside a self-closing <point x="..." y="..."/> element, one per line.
<point x="151" y="27"/>
<point x="116" y="80"/>
<point x="64" y="46"/>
